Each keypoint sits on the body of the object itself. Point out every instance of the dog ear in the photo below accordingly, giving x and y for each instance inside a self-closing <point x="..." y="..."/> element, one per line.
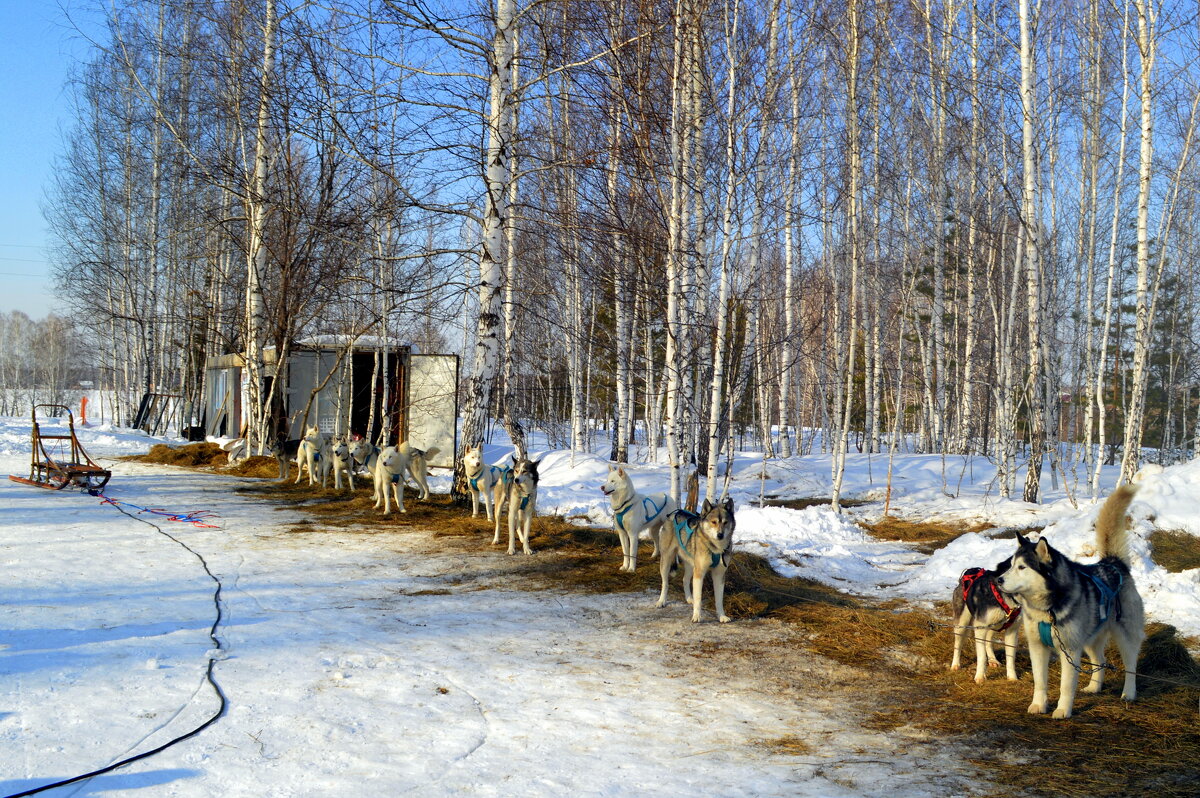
<point x="621" y="470"/>
<point x="728" y="504"/>
<point x="1044" y="553"/>
<point x="1023" y="542"/>
<point x="706" y="507"/>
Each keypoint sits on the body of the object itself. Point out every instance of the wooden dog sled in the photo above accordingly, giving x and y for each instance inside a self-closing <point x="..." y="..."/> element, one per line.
<point x="59" y="460"/>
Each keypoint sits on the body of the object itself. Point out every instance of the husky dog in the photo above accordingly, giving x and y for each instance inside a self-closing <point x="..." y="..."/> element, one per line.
<point x="486" y="482"/>
<point x="1074" y="608"/>
<point x="703" y="543"/>
<point x="981" y="610"/>
<point x="363" y="455"/>
<point x="390" y="466"/>
<point x="522" y="504"/>
<point x="308" y="454"/>
<point x="634" y="513"/>
<point x="335" y="459"/>
<point x="284" y="451"/>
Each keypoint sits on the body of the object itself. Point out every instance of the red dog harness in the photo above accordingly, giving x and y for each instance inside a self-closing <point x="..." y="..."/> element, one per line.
<point x="967" y="581"/>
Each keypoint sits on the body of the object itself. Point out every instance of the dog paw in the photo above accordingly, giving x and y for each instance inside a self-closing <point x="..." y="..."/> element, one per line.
<point x="724" y="619"/>
<point x="695" y="619"/>
<point x="1128" y="696"/>
<point x="1036" y="709"/>
<point x="981" y="678"/>
<point x="1061" y="713"/>
<point x="1093" y="688"/>
<point x="511" y="552"/>
<point x="954" y="666"/>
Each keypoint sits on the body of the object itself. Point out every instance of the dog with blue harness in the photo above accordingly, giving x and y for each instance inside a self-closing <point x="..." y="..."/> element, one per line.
<point x="522" y="504"/>
<point x="363" y="455"/>
<point x="487" y="484"/>
<point x="635" y="513"/>
<point x="308" y="454"/>
<point x="703" y="544"/>
<point x="390" y="467"/>
<point x="1075" y="609"/>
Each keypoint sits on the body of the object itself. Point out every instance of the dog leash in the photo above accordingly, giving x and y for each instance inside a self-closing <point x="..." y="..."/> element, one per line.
<point x="1085" y="668"/>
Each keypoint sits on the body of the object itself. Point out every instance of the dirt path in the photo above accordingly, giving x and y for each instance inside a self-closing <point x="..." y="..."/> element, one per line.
<point x="605" y="683"/>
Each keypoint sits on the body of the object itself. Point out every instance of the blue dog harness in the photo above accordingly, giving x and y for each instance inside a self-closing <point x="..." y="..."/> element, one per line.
<point x="1108" y="597"/>
<point x="505" y="477"/>
<point x="680" y="523"/>
<point x="647" y="503"/>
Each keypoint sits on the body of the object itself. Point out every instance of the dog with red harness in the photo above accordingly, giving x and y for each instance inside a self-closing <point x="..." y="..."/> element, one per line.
<point x="983" y="611"/>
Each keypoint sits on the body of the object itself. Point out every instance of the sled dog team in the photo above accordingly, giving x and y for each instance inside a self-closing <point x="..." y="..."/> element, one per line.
<point x="322" y="456"/>
<point x="1063" y="607"/>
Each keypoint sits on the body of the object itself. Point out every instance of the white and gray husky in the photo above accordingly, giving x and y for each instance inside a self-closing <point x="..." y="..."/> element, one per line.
<point x="522" y="504"/>
<point x="487" y="484"/>
<point x="1075" y="608"/>
<point x="703" y="544"/>
<point x="390" y="466"/>
<point x="634" y="513"/>
<point x="982" y="611"/>
<point x="308" y="454"/>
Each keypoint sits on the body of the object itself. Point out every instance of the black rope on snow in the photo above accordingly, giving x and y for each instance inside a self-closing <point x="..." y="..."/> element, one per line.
<point x="212" y="661"/>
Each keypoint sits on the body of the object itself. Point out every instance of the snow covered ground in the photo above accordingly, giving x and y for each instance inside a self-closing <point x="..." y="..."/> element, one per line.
<point x="388" y="663"/>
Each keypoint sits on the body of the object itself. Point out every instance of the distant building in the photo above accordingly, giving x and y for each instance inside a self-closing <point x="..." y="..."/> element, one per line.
<point x="333" y="379"/>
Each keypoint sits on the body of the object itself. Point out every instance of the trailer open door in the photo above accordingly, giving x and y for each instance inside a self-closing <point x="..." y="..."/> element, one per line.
<point x="432" y="406"/>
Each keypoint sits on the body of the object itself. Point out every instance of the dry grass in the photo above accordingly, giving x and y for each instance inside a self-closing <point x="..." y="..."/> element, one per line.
<point x="210" y="456"/>
<point x="192" y="455"/>
<point x="788" y="744"/>
<point x="1108" y="749"/>
<point x="929" y="536"/>
<point x="1175" y="550"/>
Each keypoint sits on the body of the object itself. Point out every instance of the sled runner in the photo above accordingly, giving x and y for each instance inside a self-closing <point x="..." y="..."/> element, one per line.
<point x="59" y="460"/>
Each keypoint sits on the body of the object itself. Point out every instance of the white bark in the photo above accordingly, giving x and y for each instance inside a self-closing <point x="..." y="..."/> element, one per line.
<point x="497" y="174"/>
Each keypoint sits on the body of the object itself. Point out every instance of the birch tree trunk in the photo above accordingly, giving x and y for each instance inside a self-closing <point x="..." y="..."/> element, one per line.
<point x="1032" y="226"/>
<point x="1110" y="284"/>
<point x="497" y="175"/>
<point x="1146" y="45"/>
<point x="717" y="386"/>
<point x="256" y="250"/>
<point x="852" y="203"/>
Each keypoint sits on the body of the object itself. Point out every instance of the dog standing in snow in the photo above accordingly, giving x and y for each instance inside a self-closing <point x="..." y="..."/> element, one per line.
<point x="486" y="483"/>
<point x="522" y="504"/>
<point x="634" y="513"/>
<point x="390" y="467"/>
<point x="308" y="454"/>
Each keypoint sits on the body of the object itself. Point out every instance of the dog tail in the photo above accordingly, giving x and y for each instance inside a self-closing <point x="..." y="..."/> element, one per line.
<point x="1112" y="524"/>
<point x="693" y="492"/>
<point x="431" y="452"/>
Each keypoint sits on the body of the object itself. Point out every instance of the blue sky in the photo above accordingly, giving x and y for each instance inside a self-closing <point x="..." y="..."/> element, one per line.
<point x="40" y="45"/>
